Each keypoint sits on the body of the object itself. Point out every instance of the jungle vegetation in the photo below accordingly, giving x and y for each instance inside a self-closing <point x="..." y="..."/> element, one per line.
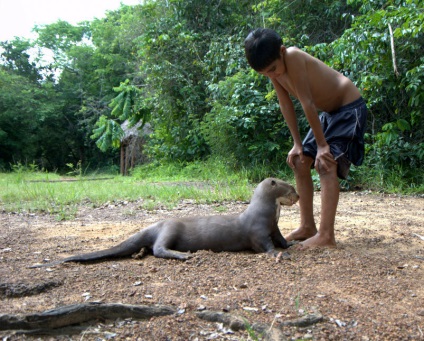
<point x="179" y="66"/>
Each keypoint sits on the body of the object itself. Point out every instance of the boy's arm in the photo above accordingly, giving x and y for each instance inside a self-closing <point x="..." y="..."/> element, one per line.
<point x="287" y="109"/>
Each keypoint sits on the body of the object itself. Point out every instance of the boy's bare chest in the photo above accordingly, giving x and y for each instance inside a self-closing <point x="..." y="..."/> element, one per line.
<point x="288" y="85"/>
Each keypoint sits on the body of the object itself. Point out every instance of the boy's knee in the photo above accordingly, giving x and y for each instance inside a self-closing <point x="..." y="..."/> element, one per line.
<point x="304" y="165"/>
<point x="330" y="172"/>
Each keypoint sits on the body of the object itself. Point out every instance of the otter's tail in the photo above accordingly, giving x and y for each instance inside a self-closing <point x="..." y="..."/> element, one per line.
<point x="126" y="248"/>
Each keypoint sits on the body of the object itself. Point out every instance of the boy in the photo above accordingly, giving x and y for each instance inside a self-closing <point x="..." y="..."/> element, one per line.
<point x="335" y="139"/>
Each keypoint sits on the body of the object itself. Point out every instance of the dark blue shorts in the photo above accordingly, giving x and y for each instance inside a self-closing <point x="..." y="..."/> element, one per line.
<point x="344" y="131"/>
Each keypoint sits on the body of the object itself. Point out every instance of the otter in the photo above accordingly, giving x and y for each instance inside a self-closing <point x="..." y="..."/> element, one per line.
<point x="254" y="229"/>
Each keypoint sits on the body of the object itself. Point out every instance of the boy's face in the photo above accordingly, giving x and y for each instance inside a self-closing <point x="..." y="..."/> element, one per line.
<point x="275" y="69"/>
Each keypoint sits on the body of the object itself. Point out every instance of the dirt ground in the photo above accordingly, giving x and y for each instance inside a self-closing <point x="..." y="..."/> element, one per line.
<point x="370" y="288"/>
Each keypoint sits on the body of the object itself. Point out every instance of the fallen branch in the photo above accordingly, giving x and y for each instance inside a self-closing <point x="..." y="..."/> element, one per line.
<point x="239" y="323"/>
<point x="232" y="321"/>
<point x="304" y="321"/>
<point x="66" y="320"/>
<point x="80" y="313"/>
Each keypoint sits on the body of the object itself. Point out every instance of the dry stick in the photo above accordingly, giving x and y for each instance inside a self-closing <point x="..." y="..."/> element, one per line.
<point x="417" y="235"/>
<point x="71" y="180"/>
<point x="392" y="44"/>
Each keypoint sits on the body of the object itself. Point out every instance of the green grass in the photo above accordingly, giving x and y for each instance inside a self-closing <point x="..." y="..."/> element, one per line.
<point x="51" y="197"/>
<point x="28" y="190"/>
<point x="212" y="170"/>
<point x="394" y="180"/>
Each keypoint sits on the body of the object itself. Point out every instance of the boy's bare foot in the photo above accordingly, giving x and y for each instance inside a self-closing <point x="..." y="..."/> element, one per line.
<point x="301" y="233"/>
<point x="317" y="241"/>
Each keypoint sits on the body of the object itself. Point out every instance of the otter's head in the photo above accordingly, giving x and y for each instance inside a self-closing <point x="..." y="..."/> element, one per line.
<point x="281" y="191"/>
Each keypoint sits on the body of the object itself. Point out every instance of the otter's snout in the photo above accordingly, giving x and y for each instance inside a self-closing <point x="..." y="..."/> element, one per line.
<point x="294" y="197"/>
<point x="289" y="199"/>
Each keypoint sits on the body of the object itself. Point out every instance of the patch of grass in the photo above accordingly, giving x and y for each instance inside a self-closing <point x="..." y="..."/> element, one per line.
<point x="394" y="180"/>
<point x="30" y="190"/>
<point x="221" y="209"/>
<point x="251" y="332"/>
<point x="212" y="170"/>
<point x="26" y="189"/>
<point x="259" y="171"/>
<point x="377" y="178"/>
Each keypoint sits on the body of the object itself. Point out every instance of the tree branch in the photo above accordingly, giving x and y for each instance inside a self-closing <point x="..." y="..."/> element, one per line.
<point x="392" y="44"/>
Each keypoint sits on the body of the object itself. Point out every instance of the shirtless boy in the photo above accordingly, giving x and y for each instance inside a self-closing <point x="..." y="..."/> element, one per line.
<point x="335" y="139"/>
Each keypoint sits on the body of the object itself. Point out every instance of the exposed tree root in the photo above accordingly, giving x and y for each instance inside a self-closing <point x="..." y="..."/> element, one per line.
<point x="67" y="320"/>
<point x="80" y="313"/>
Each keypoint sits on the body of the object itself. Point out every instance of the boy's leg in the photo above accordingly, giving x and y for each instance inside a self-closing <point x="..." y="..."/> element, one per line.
<point x="329" y="200"/>
<point x="305" y="189"/>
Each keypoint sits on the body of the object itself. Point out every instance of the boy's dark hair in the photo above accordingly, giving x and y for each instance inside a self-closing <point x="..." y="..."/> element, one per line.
<point x="262" y="47"/>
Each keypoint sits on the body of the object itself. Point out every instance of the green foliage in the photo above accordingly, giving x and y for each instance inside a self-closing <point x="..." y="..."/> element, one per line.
<point x="390" y="151"/>
<point x="60" y="35"/>
<point x="172" y="46"/>
<point x="245" y="123"/>
<point x="381" y="53"/>
<point x="210" y="170"/>
<point x="108" y="133"/>
<point x="306" y="22"/>
<point x="15" y="57"/>
<point x="169" y="57"/>
<point x="180" y="66"/>
<point x="29" y="122"/>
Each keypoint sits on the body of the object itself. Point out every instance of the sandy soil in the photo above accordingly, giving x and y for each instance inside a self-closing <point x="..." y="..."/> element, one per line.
<point x="370" y="288"/>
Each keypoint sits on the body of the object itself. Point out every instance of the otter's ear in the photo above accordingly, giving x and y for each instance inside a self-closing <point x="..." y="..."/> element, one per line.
<point x="273" y="183"/>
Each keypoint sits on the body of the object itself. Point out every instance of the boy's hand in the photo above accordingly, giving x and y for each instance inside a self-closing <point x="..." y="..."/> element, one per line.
<point x="297" y="150"/>
<point x="324" y="159"/>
